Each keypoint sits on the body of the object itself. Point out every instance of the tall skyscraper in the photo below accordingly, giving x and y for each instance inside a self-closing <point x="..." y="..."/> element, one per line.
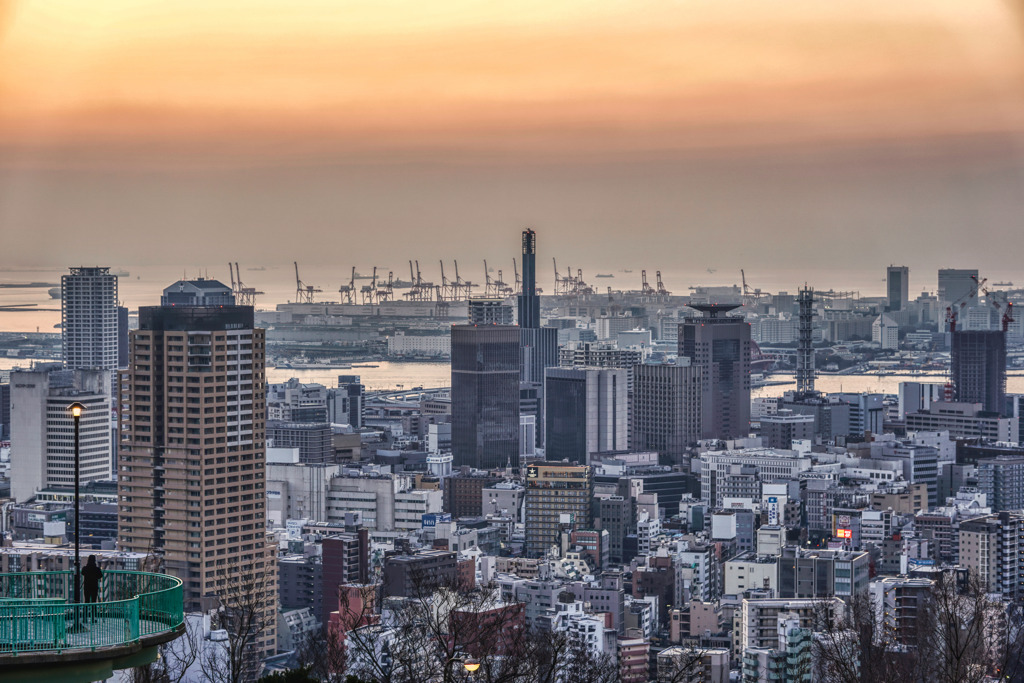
<point x="719" y="347"/>
<point x="42" y="435"/>
<point x="978" y="368"/>
<point x="897" y="287"/>
<point x="529" y="302"/>
<point x="538" y="345"/>
<point x="193" y="444"/>
<point x="666" y="412"/>
<point x="587" y="412"/>
<point x="89" y="321"/>
<point x="485" y="395"/>
<point x="956" y="284"/>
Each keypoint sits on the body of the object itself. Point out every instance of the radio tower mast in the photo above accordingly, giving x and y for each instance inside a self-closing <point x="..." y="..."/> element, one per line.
<point x="804" y="350"/>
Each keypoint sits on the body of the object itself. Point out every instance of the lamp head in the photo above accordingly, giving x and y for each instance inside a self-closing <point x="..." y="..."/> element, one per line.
<point x="471" y="665"/>
<point x="76" y="409"/>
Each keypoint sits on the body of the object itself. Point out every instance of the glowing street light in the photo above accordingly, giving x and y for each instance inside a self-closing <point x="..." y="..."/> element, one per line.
<point x="76" y="409"/>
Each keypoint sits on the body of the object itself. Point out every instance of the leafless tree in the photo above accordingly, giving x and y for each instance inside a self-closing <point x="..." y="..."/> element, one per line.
<point x="971" y="636"/>
<point x="685" y="664"/>
<point x="857" y="645"/>
<point x="175" y="660"/>
<point x="427" y="637"/>
<point x="322" y="653"/>
<point x="244" y="616"/>
<point x="958" y="634"/>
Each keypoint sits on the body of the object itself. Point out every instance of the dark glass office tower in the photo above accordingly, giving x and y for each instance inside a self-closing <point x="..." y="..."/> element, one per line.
<point x="978" y="361"/>
<point x="485" y="395"/>
<point x="897" y="287"/>
<point x="719" y="346"/>
<point x="587" y="412"/>
<point x="529" y="302"/>
<point x="538" y="345"/>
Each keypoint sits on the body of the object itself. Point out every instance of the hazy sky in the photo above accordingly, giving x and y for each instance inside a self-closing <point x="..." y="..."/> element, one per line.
<point x="698" y="132"/>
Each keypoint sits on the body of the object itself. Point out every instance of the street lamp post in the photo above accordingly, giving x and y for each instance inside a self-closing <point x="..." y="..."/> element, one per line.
<point x="76" y="409"/>
<point x="471" y="665"/>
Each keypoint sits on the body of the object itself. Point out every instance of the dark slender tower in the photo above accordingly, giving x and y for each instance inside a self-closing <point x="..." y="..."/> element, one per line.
<point x="538" y="346"/>
<point x="529" y="302"/>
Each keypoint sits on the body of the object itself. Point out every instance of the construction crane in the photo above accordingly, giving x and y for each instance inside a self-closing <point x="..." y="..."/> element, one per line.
<point x="244" y="296"/>
<point x="303" y="292"/>
<point x="993" y="297"/>
<point x="348" y="292"/>
<point x="953" y="310"/>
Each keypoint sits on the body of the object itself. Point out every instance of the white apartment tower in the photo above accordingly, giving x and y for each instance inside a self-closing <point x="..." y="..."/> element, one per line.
<point x="42" y="436"/>
<point x="89" y="318"/>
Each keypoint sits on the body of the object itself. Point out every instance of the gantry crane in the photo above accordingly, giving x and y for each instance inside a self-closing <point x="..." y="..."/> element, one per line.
<point x="303" y="292"/>
<point x="348" y="292"/>
<point x="244" y="296"/>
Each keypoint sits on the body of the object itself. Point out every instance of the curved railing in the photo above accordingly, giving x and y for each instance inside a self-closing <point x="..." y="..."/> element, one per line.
<point x="37" y="612"/>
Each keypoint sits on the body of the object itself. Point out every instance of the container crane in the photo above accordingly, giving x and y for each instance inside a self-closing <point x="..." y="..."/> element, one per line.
<point x="463" y="288"/>
<point x="387" y="292"/>
<point x="348" y="292"/>
<point x="369" y="292"/>
<point x="645" y="288"/>
<point x="303" y="292"/>
<point x="244" y="296"/>
<point x="661" y="287"/>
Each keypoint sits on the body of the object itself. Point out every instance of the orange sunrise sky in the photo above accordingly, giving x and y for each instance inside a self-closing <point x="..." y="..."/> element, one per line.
<point x="455" y="113"/>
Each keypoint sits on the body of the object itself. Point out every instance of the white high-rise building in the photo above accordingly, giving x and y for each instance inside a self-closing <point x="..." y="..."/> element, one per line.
<point x="42" y="435"/>
<point x="885" y="332"/>
<point x="89" y="318"/>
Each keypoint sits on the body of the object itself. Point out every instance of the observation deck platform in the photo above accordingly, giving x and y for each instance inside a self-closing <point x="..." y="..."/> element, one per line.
<point x="45" y="635"/>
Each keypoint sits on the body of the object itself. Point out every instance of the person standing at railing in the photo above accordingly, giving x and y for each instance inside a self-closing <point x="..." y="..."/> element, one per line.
<point x="91" y="575"/>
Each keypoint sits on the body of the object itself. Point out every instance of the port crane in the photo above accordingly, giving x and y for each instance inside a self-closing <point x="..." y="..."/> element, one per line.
<point x="369" y="292"/>
<point x="348" y="292"/>
<point x="497" y="288"/>
<point x="463" y="289"/>
<point x="646" y="290"/>
<point x="420" y="290"/>
<point x="244" y="296"/>
<point x="661" y="286"/>
<point x="303" y="292"/>
<point x="751" y="296"/>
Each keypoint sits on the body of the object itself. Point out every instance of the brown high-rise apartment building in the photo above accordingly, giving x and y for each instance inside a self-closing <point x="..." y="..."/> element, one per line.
<point x="192" y="458"/>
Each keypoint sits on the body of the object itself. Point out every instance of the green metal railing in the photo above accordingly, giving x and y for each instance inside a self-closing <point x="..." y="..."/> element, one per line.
<point x="37" y="615"/>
